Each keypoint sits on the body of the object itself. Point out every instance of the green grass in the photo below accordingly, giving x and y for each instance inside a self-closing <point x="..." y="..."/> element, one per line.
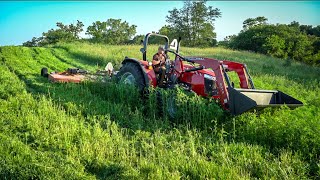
<point x="105" y="131"/>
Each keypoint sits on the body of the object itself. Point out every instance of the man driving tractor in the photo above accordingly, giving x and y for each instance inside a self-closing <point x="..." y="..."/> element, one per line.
<point x="158" y="63"/>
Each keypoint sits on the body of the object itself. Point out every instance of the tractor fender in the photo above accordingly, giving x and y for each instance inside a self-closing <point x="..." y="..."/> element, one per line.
<point x="146" y="79"/>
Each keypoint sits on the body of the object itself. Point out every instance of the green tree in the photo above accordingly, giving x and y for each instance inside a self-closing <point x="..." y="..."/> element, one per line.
<point x="316" y="31"/>
<point x="57" y="35"/>
<point x="97" y="30"/>
<point x="112" y="31"/>
<point x="226" y="41"/>
<point x="137" y="39"/>
<point x="194" y="22"/>
<point x="302" y="48"/>
<point x="119" y="32"/>
<point x="164" y="30"/>
<point x="280" y="40"/>
<point x="306" y="29"/>
<point x="32" y="43"/>
<point x="251" y="22"/>
<point x="168" y="31"/>
<point x="294" y="24"/>
<point x="275" y="46"/>
<point x="64" y="33"/>
<point x="75" y="30"/>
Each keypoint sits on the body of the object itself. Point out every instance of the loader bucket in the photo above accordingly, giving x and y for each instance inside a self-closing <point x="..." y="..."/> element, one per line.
<point x="243" y="100"/>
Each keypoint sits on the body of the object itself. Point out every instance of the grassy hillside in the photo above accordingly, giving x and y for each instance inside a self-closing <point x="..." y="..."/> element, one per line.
<point x="104" y="131"/>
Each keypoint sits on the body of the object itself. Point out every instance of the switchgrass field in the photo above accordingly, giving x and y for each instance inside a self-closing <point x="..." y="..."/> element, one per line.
<point x="97" y="130"/>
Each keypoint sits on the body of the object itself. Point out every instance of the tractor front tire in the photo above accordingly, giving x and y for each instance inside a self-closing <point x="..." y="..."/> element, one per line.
<point x="167" y="104"/>
<point x="130" y="73"/>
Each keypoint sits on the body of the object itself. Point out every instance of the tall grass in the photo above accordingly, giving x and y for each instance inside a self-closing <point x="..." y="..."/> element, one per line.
<point x="98" y="130"/>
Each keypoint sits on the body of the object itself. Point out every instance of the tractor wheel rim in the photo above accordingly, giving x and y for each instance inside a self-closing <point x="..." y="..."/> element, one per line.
<point x="128" y="78"/>
<point x="171" y="107"/>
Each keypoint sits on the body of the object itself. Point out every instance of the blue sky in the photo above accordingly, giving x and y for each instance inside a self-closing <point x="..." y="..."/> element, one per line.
<point x="20" y="21"/>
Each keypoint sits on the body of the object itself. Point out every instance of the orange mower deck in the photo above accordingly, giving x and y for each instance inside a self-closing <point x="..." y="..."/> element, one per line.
<point x="76" y="75"/>
<point x="67" y="78"/>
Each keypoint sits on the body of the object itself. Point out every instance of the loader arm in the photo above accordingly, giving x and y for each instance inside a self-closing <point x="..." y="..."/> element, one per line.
<point x="241" y="69"/>
<point x="222" y="78"/>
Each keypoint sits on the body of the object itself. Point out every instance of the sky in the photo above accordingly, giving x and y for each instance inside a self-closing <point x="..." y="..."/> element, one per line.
<point x="22" y="20"/>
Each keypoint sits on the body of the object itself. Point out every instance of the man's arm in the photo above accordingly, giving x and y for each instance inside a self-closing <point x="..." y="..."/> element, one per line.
<point x="155" y="60"/>
<point x="155" y="57"/>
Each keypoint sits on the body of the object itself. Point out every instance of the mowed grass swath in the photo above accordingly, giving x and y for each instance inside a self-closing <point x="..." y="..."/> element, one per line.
<point x="98" y="130"/>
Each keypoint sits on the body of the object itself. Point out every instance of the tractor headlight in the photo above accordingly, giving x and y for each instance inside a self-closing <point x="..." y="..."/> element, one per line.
<point x="207" y="76"/>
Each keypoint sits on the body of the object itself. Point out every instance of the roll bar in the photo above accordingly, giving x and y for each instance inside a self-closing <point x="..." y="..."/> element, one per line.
<point x="145" y="44"/>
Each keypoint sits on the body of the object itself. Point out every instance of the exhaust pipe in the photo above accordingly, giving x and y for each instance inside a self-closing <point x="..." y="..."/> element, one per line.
<point x="243" y="100"/>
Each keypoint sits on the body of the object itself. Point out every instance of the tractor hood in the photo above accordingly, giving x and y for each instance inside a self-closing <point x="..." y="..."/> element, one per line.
<point x="243" y="100"/>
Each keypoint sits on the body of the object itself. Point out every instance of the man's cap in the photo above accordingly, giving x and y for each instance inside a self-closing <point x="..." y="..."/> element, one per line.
<point x="161" y="48"/>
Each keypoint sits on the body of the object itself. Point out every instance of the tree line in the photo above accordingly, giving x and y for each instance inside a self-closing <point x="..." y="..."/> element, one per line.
<point x="287" y="41"/>
<point x="112" y="31"/>
<point x="194" y="22"/>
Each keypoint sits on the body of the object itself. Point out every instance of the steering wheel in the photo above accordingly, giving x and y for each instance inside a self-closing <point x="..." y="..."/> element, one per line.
<point x="168" y="50"/>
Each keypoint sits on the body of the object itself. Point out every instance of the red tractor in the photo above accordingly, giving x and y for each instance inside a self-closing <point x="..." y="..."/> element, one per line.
<point x="206" y="77"/>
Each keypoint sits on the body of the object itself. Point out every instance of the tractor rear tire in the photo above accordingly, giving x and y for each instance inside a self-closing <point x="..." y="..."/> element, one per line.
<point x="130" y="73"/>
<point x="44" y="72"/>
